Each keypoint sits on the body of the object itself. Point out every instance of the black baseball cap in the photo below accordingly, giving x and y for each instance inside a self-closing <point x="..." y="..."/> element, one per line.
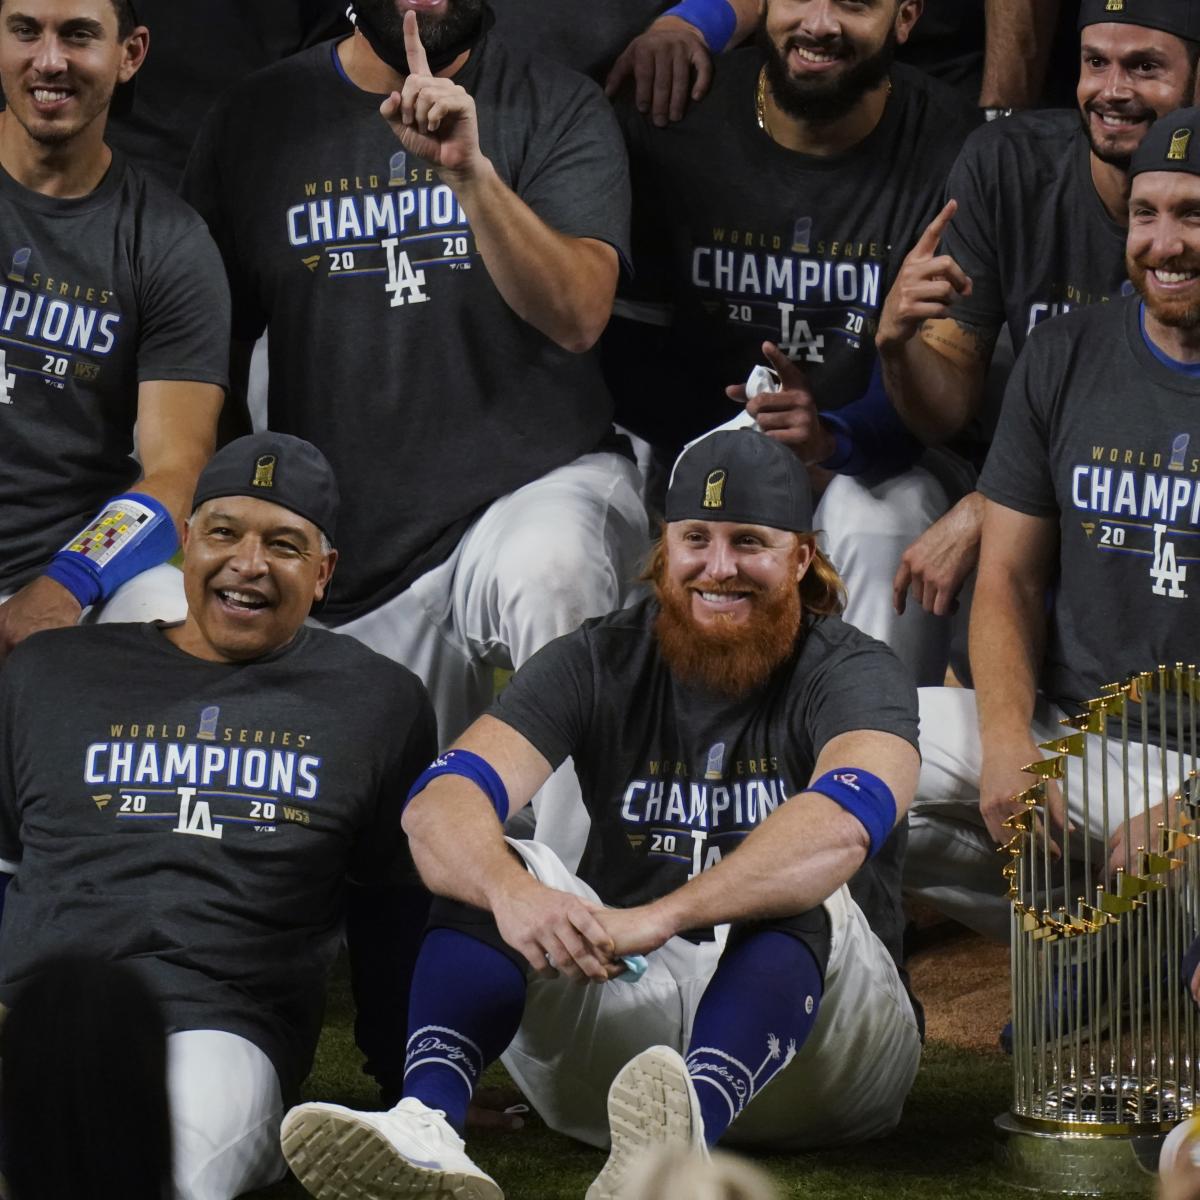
<point x="277" y="467"/>
<point x="1173" y="144"/>
<point x="741" y="475"/>
<point x="1180" y="17"/>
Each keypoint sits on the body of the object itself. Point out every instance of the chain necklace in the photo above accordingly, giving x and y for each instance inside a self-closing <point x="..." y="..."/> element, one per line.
<point x="760" y="102"/>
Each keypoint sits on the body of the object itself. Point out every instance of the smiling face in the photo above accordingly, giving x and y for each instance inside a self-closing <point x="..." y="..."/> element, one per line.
<point x="1128" y="78"/>
<point x="729" y="598"/>
<point x="1162" y="253"/>
<point x="59" y="63"/>
<point x="822" y="56"/>
<point x="252" y="571"/>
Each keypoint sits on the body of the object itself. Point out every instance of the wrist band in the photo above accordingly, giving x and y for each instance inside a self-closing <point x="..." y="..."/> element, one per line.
<point x="715" y="19"/>
<point x="470" y="766"/>
<point x="864" y="796"/>
<point x="132" y="533"/>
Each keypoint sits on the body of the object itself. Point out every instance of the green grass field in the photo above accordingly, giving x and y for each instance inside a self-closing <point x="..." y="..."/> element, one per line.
<point x="943" y="1149"/>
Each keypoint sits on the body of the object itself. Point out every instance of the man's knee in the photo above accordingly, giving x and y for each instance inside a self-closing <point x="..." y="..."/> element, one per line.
<point x="476" y="923"/>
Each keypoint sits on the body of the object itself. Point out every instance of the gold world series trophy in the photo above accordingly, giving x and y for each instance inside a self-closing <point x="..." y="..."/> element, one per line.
<point x="1105" y="1032"/>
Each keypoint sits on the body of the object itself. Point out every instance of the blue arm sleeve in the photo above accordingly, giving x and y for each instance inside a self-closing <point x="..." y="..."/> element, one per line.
<point x="870" y="436"/>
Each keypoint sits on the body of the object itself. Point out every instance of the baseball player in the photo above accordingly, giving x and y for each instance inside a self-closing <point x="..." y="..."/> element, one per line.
<point x="1039" y="221"/>
<point x="771" y="221"/>
<point x="1093" y="500"/>
<point x="114" y="310"/>
<point x="193" y="800"/>
<point x="431" y="281"/>
<point x="746" y="760"/>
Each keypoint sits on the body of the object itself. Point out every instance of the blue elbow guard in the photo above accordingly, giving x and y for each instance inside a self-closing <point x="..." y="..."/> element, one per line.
<point x="864" y="796"/>
<point x="132" y="533"/>
<point x="470" y="766"/>
<point x="715" y="19"/>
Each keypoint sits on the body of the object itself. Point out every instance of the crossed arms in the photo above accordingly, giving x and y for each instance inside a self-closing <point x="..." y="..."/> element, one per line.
<point x="799" y="856"/>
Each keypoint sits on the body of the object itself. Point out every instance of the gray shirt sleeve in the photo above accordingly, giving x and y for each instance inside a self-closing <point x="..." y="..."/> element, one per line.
<point x="970" y="238"/>
<point x="1017" y="473"/>
<point x="549" y="700"/>
<point x="185" y="313"/>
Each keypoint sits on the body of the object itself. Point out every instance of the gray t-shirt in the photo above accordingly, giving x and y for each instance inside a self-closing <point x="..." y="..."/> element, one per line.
<point x="586" y="35"/>
<point x="198" y="820"/>
<point x="98" y="294"/>
<point x="390" y="346"/>
<point x="1030" y="230"/>
<point x="673" y="777"/>
<point x="1100" y="435"/>
<point x="748" y="242"/>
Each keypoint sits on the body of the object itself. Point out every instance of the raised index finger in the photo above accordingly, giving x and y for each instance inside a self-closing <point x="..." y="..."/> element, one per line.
<point x="934" y="230"/>
<point x="418" y="64"/>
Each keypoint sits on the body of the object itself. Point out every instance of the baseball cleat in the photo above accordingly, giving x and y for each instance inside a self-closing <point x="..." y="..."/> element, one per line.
<point x="409" y="1151"/>
<point x="651" y="1103"/>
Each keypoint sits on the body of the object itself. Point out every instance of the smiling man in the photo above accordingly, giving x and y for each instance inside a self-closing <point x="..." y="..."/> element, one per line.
<point x="746" y="760"/>
<point x="1092" y="497"/>
<point x="114" y="312"/>
<point x="195" y="799"/>
<point x="1039" y="230"/>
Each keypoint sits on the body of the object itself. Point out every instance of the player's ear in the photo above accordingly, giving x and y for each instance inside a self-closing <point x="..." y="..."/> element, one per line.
<point x="806" y="549"/>
<point x="187" y="531"/>
<point x="134" y="50"/>
<point x="324" y="575"/>
<point x="908" y="13"/>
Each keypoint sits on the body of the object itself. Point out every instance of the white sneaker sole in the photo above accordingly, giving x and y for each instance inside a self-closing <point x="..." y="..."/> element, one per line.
<point x="336" y="1155"/>
<point x="651" y="1103"/>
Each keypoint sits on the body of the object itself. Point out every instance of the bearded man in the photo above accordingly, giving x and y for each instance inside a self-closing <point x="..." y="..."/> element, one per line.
<point x="746" y="761"/>
<point x="1091" y="490"/>
<point x="772" y="221"/>
<point x="428" y="222"/>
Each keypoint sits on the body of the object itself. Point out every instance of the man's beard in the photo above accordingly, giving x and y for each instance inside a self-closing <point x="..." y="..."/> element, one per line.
<point x="823" y="99"/>
<point x="438" y="33"/>
<point x="1177" y="314"/>
<point x="731" y="659"/>
<point x="1111" y="157"/>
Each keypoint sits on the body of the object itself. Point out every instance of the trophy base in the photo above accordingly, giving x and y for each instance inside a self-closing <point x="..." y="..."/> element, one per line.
<point x="1076" y="1164"/>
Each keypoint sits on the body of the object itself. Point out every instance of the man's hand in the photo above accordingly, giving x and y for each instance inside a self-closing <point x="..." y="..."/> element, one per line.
<point x="634" y="930"/>
<point x="1128" y="837"/>
<point x="926" y="287"/>
<point x="1002" y="777"/>
<point x="41" y="604"/>
<point x="789" y="415"/>
<point x="433" y="118"/>
<point x="555" y="931"/>
<point x="935" y="566"/>
<point x="670" y="64"/>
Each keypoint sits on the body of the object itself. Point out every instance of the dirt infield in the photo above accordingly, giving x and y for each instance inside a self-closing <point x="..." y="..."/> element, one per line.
<point x="963" y="981"/>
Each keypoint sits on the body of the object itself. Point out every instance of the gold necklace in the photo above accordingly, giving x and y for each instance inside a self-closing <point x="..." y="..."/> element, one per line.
<point x="760" y="101"/>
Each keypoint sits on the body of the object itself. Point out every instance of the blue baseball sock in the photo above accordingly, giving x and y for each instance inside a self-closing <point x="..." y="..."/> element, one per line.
<point x="466" y="1005"/>
<point x="758" y="1008"/>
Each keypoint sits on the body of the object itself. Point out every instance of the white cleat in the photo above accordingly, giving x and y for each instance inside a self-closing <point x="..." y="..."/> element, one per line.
<point x="410" y="1151"/>
<point x="651" y="1103"/>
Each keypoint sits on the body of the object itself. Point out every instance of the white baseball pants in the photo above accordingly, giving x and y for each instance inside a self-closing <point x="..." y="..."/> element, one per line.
<point x="225" y="1115"/>
<point x="534" y="566"/>
<point x="847" y="1083"/>
<point x="952" y="862"/>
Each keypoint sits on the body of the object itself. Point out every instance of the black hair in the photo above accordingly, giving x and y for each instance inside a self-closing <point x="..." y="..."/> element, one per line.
<point x="126" y="18"/>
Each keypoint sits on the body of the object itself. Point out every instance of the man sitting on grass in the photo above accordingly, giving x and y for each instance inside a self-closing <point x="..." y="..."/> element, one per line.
<point x="192" y="800"/>
<point x="746" y="760"/>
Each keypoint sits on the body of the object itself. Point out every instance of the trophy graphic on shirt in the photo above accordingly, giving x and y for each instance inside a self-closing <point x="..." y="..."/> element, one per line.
<point x="1105" y="1033"/>
<point x="1178" y="452"/>
<point x="20" y="264"/>
<point x="802" y="235"/>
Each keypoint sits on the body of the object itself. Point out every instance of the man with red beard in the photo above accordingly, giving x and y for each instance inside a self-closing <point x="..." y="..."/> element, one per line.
<point x="1093" y="482"/>
<point x="746" y="760"/>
